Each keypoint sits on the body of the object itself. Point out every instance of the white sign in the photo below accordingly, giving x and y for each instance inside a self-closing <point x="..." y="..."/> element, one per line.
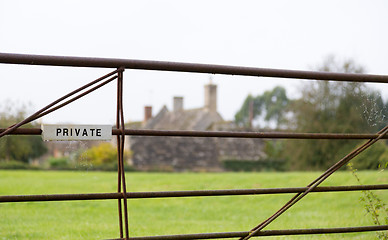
<point x="76" y="132"/>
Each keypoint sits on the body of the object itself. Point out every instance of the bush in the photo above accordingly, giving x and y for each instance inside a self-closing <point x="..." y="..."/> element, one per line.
<point x="109" y="167"/>
<point x="373" y="157"/>
<point x="59" y="163"/>
<point x="101" y="154"/>
<point x="64" y="163"/>
<point x="12" y="164"/>
<point x="112" y="167"/>
<point x="252" y="166"/>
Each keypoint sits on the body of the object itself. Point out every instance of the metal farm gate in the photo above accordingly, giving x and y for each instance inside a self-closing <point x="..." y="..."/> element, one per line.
<point x="122" y="196"/>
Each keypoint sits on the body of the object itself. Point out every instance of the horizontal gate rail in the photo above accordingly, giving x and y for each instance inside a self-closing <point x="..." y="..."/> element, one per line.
<point x="220" y="134"/>
<point x="11" y="58"/>
<point x="264" y="233"/>
<point x="173" y="194"/>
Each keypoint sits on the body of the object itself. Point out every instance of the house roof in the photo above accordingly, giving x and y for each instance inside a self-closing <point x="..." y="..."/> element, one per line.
<point x="199" y="119"/>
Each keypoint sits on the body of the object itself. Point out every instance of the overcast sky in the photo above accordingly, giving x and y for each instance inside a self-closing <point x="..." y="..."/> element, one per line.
<point x="267" y="34"/>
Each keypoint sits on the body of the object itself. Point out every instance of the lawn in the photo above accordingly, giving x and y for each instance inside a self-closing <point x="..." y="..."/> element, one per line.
<point x="98" y="219"/>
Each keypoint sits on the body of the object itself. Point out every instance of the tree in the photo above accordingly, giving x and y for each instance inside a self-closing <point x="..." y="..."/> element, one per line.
<point x="271" y="106"/>
<point x="333" y="107"/>
<point x="324" y="107"/>
<point x="19" y="148"/>
<point x="376" y="156"/>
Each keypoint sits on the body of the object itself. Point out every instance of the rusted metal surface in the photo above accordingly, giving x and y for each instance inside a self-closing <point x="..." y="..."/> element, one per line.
<point x="314" y="184"/>
<point x="220" y="134"/>
<point x="83" y="91"/>
<point x="121" y="183"/>
<point x="228" y="134"/>
<point x="288" y="232"/>
<point x="10" y="58"/>
<point x="76" y="97"/>
<point x="174" y="194"/>
<point x="50" y="107"/>
<point x="122" y="195"/>
<point x="119" y="166"/>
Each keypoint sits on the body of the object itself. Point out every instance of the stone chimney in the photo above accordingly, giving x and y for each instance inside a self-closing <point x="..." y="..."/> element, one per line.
<point x="211" y="97"/>
<point x="147" y="113"/>
<point x="178" y="104"/>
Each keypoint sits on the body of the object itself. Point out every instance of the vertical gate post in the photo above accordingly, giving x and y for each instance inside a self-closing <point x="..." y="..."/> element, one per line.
<point x="121" y="185"/>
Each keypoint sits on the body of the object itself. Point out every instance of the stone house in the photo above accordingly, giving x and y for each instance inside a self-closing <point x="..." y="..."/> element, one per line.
<point x="184" y="153"/>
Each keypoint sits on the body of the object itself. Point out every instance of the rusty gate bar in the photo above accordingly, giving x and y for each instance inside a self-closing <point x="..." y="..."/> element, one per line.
<point x="314" y="184"/>
<point x="220" y="134"/>
<point x="264" y="233"/>
<point x="228" y="134"/>
<point x="195" y="193"/>
<point x="76" y="97"/>
<point x="11" y="58"/>
<point x="47" y="108"/>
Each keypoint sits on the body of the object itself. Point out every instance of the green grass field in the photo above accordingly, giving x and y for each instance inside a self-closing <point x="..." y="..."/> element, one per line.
<point x="98" y="219"/>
